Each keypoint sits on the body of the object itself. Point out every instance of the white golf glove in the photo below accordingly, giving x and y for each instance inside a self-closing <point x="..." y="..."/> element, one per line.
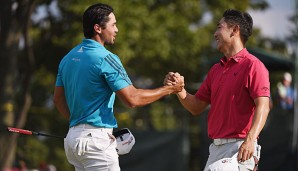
<point x="81" y="145"/>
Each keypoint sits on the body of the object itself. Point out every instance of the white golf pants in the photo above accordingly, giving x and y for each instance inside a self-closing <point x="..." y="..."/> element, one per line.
<point x="223" y="157"/>
<point x="89" y="148"/>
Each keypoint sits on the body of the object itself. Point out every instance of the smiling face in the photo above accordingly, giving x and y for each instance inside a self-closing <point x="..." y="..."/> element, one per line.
<point x="108" y="34"/>
<point x="223" y="36"/>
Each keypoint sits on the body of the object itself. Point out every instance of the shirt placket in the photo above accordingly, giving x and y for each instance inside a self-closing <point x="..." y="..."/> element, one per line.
<point x="223" y="77"/>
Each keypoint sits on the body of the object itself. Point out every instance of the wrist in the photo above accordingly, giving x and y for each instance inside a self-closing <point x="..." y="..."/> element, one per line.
<point x="250" y="138"/>
<point x="182" y="94"/>
<point x="169" y="89"/>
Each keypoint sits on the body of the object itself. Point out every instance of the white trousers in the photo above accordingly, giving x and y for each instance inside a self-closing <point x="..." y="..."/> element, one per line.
<point x="89" y="148"/>
<point x="224" y="157"/>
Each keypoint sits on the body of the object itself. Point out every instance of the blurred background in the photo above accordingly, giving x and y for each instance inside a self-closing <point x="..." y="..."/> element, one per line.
<point x="155" y="37"/>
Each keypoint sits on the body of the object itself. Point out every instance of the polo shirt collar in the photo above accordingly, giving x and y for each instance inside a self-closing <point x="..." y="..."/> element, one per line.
<point x="237" y="57"/>
<point x="92" y="42"/>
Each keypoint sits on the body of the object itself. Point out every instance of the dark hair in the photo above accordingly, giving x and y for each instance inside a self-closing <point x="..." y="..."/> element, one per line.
<point x="95" y="14"/>
<point x="242" y="19"/>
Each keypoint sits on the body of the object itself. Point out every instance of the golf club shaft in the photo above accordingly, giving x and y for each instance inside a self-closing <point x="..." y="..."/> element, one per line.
<point x="28" y="132"/>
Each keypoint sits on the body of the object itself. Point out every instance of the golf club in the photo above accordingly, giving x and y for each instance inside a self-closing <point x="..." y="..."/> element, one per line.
<point x="28" y="132"/>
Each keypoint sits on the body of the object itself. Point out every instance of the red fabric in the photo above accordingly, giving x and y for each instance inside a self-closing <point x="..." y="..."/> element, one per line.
<point x="231" y="87"/>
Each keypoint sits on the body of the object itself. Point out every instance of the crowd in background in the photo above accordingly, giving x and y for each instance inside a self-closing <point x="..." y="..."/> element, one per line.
<point x="285" y="93"/>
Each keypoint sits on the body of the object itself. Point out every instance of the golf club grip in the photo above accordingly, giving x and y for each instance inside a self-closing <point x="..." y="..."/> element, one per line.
<point x="21" y="131"/>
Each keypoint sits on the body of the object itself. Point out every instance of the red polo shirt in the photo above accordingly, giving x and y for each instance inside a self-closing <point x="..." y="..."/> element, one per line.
<point x="231" y="87"/>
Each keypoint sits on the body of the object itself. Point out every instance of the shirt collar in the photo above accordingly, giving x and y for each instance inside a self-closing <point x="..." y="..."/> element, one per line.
<point x="237" y="57"/>
<point x="91" y="42"/>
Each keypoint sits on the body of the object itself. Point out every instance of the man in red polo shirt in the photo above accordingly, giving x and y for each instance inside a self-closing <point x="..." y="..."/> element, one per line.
<point x="238" y="90"/>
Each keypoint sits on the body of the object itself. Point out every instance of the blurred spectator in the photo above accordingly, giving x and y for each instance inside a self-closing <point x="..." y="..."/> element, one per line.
<point x="23" y="166"/>
<point x="285" y="92"/>
<point x="46" y="167"/>
<point x="18" y="166"/>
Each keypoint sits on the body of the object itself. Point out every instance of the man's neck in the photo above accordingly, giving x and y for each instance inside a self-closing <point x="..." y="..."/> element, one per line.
<point x="234" y="49"/>
<point x="98" y="39"/>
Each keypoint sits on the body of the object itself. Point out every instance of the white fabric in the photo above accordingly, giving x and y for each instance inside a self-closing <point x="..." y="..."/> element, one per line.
<point x="225" y="155"/>
<point x="225" y="164"/>
<point x="222" y="141"/>
<point x="89" y="148"/>
<point x="125" y="141"/>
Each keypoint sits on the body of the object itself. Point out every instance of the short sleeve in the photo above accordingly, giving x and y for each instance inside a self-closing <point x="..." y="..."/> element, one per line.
<point x="114" y="73"/>
<point x="59" y="82"/>
<point x="258" y="80"/>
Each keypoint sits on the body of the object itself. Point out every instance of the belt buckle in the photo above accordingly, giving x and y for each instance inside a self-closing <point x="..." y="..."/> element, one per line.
<point x="217" y="141"/>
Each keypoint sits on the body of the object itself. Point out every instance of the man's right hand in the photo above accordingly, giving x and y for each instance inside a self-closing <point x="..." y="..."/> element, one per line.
<point x="175" y="80"/>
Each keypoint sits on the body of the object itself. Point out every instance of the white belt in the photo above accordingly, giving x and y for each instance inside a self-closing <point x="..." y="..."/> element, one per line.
<point x="222" y="141"/>
<point x="87" y="126"/>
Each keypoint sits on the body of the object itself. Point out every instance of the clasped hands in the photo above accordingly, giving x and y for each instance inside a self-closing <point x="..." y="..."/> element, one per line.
<point x="175" y="80"/>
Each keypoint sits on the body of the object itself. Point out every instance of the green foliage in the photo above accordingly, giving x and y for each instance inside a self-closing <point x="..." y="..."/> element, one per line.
<point x="42" y="87"/>
<point x="218" y="6"/>
<point x="59" y="160"/>
<point x="163" y="117"/>
<point x="158" y="35"/>
<point x="259" y="5"/>
<point x="34" y="150"/>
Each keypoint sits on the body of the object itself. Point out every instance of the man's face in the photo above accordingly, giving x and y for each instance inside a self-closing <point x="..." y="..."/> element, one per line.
<point x="286" y="83"/>
<point x="108" y="34"/>
<point x="223" y="35"/>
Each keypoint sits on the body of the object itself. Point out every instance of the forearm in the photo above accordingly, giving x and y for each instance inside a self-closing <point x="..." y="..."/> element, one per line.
<point x="133" y="97"/>
<point x="191" y="103"/>
<point x="259" y="120"/>
<point x="247" y="148"/>
<point x="63" y="109"/>
<point x="143" y="97"/>
<point x="60" y="101"/>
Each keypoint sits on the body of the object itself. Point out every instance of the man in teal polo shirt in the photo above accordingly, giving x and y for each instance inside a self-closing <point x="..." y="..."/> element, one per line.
<point x="88" y="79"/>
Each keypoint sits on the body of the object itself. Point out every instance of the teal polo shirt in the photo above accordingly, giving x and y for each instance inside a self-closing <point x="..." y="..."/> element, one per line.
<point x="90" y="75"/>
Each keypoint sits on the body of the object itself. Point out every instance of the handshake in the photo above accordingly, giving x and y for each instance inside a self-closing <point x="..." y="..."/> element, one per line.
<point x="175" y="81"/>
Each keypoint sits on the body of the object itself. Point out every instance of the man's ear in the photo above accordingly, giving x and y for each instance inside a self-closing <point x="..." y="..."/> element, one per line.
<point x="236" y="30"/>
<point x="97" y="28"/>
